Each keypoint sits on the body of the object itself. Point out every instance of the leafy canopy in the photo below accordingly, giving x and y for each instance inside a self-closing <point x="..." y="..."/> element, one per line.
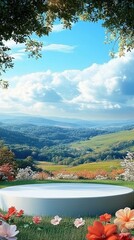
<point x="20" y="19"/>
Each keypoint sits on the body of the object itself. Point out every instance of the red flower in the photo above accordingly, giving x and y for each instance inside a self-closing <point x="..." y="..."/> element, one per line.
<point x="100" y="232"/>
<point x="20" y="213"/>
<point x="105" y="217"/>
<point x="37" y="219"/>
<point x="12" y="211"/>
<point x="3" y="216"/>
<point x="125" y="236"/>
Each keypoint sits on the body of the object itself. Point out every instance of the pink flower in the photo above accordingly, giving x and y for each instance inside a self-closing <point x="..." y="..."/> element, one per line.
<point x="79" y="222"/>
<point x="56" y="220"/>
<point x="8" y="231"/>
<point x="37" y="219"/>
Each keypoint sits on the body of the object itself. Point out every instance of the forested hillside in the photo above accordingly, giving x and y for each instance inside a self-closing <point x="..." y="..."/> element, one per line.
<point x="70" y="146"/>
<point x="43" y="136"/>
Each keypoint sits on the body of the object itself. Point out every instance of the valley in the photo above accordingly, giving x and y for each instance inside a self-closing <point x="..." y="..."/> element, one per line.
<point x="44" y="141"/>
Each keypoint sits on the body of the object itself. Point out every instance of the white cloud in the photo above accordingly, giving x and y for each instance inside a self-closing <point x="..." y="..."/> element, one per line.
<point x="12" y="44"/>
<point x="17" y="49"/>
<point x="99" y="89"/>
<point x="58" y="28"/>
<point x="59" y="48"/>
<point x="17" y="56"/>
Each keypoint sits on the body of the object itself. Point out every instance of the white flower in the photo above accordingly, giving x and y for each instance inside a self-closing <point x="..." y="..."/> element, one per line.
<point x="56" y="220"/>
<point x="25" y="173"/>
<point x="79" y="222"/>
<point x="8" y="231"/>
<point x="128" y="165"/>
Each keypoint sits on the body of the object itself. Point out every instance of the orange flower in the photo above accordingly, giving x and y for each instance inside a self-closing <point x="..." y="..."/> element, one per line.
<point x="105" y="217"/>
<point x="100" y="232"/>
<point x="125" y="219"/>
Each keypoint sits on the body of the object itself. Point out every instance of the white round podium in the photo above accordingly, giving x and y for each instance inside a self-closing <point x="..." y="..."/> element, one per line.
<point x="67" y="199"/>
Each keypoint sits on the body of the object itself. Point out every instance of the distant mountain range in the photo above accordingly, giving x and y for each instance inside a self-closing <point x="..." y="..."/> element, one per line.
<point x="9" y="119"/>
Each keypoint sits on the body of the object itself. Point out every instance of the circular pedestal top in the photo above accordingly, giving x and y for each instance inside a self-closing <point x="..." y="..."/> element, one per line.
<point x="65" y="190"/>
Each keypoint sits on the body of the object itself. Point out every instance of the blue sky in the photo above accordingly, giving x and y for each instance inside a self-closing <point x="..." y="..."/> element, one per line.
<point x="75" y="77"/>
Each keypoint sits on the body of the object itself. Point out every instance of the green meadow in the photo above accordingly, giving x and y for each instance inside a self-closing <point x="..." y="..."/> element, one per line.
<point x="105" y="142"/>
<point x="105" y="148"/>
<point x="105" y="165"/>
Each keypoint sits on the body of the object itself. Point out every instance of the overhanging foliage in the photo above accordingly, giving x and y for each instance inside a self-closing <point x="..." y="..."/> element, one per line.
<point x="20" y="19"/>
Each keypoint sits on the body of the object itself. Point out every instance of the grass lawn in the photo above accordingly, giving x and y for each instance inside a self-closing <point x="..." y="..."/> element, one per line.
<point x="64" y="231"/>
<point x="15" y="183"/>
<point x="45" y="230"/>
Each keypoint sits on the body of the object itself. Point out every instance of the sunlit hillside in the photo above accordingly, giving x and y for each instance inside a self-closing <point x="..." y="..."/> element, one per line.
<point x="106" y="166"/>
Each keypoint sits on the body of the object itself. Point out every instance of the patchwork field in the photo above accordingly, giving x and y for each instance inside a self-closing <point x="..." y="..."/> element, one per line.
<point x="106" y="166"/>
<point x="100" y="155"/>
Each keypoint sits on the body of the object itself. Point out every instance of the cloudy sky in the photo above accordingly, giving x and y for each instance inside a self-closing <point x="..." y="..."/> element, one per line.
<point x="75" y="77"/>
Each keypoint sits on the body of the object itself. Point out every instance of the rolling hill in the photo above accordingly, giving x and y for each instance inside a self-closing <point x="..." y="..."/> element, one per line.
<point x="67" y="146"/>
<point x="107" y="146"/>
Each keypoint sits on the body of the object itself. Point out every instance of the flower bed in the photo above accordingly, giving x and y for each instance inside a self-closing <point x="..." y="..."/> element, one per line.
<point x="121" y="227"/>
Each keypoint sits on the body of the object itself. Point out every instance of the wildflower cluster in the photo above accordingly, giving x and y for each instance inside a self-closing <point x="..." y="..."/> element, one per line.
<point x="119" y="230"/>
<point x="8" y="231"/>
<point x="66" y="176"/>
<point x="103" y="229"/>
<point x="128" y="165"/>
<point x="6" y="172"/>
<point x="28" y="174"/>
<point x="11" y="214"/>
<point x="25" y="174"/>
<point x="40" y="175"/>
